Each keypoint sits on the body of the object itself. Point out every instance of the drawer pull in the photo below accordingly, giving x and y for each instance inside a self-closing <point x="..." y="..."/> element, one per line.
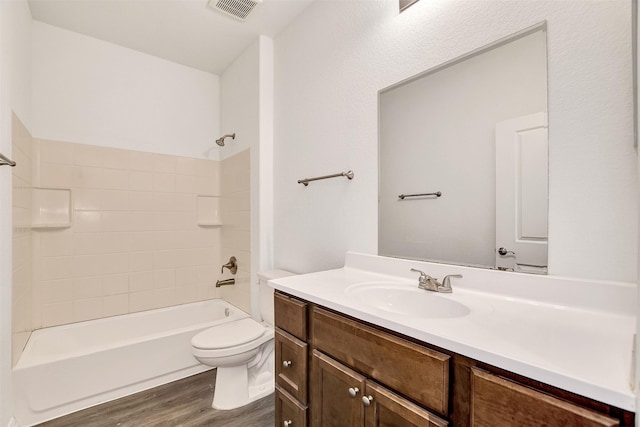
<point x="353" y="391"/>
<point x="287" y="423"/>
<point x="286" y="363"/>
<point x="366" y="400"/>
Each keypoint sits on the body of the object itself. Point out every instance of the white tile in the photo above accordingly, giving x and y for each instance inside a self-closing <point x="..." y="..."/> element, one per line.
<point x="51" y="268"/>
<point x="141" y="301"/>
<point x="87" y="221"/>
<point x="87" y="287"/>
<point x="140" y="281"/>
<point x="140" y="261"/>
<point x="114" y="305"/>
<point x="115" y="284"/>
<point x="186" y="276"/>
<point x="115" y="263"/>
<point x="115" y="179"/>
<point x="140" y="181"/>
<point x="165" y="297"/>
<point x="56" y="151"/>
<point x="56" y="291"/>
<point x="164" y="182"/>
<point x="88" y="177"/>
<point x="164" y="163"/>
<point x="164" y="278"/>
<point x="186" y="294"/>
<point x="56" y="242"/>
<point x="140" y="161"/>
<point x="57" y="314"/>
<point x="164" y="260"/>
<point x="87" y="265"/>
<point x="87" y="309"/>
<point x="88" y="155"/>
<point x="186" y="165"/>
<point x="56" y="175"/>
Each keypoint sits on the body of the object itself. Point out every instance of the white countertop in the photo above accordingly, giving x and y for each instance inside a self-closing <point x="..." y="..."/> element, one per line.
<point x="572" y="334"/>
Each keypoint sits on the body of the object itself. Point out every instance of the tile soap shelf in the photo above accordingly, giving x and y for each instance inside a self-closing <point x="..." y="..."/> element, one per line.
<point x="51" y="208"/>
<point x="209" y="214"/>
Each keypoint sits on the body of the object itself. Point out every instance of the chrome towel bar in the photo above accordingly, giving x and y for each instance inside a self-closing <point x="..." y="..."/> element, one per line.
<point x="5" y="161"/>
<point x="306" y="181"/>
<point x="403" y="196"/>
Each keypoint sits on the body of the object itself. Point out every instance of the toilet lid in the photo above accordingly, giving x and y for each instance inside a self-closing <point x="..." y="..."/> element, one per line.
<point x="228" y="334"/>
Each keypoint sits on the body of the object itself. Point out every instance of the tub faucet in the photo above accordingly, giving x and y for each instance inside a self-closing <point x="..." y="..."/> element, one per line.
<point x="226" y="282"/>
<point x="429" y="283"/>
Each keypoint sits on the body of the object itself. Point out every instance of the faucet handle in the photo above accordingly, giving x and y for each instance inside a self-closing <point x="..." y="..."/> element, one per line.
<point x="232" y="265"/>
<point x="446" y="282"/>
<point x="422" y="273"/>
<point x="425" y="281"/>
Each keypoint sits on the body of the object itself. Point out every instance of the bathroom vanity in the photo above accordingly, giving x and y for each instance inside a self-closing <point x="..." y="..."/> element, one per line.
<point x="345" y="358"/>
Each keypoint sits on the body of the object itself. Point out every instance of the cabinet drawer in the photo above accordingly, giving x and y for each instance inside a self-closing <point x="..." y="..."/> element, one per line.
<point x="412" y="370"/>
<point x="288" y="412"/>
<point x="496" y="401"/>
<point x="291" y="315"/>
<point x="291" y="365"/>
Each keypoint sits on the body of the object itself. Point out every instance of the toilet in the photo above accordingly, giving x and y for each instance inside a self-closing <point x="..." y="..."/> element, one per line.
<point x="242" y="351"/>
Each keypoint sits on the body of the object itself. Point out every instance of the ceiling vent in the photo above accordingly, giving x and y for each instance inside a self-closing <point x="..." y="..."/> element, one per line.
<point x="239" y="9"/>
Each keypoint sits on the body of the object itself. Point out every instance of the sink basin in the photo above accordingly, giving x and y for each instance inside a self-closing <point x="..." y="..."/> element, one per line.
<point x="407" y="300"/>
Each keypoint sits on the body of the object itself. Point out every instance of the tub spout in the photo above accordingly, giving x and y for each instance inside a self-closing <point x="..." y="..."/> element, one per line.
<point x="225" y="282"/>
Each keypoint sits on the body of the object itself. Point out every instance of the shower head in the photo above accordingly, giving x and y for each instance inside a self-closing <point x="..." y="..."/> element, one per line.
<point x="220" y="141"/>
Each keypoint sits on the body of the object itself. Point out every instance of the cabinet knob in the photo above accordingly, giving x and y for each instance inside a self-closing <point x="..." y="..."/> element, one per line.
<point x="286" y="363"/>
<point x="287" y="423"/>
<point x="353" y="391"/>
<point x="366" y="400"/>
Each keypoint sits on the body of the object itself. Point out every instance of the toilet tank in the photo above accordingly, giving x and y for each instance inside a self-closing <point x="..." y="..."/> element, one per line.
<point x="265" y="292"/>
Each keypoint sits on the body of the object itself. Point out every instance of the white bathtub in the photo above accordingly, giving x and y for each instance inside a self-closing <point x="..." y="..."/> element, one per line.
<point x="71" y="367"/>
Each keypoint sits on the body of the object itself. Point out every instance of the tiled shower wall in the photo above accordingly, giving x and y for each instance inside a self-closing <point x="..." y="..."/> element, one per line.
<point x="22" y="271"/>
<point x="133" y="241"/>
<point x="236" y="236"/>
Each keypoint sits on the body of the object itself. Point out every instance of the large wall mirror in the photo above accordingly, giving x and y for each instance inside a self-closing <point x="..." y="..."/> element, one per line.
<point x="464" y="159"/>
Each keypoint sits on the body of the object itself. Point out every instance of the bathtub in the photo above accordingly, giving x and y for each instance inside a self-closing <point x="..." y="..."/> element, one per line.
<point x="71" y="367"/>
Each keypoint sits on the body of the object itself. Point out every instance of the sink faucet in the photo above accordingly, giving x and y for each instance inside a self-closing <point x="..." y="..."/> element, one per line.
<point x="429" y="283"/>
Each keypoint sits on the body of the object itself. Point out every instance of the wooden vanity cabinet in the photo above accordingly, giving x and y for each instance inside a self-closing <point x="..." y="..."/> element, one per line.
<point x="496" y="401"/>
<point x="291" y="360"/>
<point x="405" y="382"/>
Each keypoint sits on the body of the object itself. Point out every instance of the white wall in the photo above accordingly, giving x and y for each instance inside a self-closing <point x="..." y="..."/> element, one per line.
<point x="437" y="133"/>
<point x="331" y="62"/>
<point x="246" y="89"/>
<point x="15" y="63"/>
<point x="93" y="92"/>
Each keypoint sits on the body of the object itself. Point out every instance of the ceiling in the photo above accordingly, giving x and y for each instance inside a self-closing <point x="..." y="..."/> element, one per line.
<point x="184" y="31"/>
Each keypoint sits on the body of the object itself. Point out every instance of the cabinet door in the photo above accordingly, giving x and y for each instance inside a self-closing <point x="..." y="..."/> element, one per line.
<point x="498" y="402"/>
<point x="336" y="394"/>
<point x="387" y="409"/>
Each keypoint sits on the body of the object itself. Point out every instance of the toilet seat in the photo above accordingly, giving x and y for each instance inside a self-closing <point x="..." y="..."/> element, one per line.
<point x="228" y="335"/>
<point x="230" y="339"/>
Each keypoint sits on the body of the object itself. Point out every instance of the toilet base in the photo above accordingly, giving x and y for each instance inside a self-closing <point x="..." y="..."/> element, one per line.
<point x="236" y="387"/>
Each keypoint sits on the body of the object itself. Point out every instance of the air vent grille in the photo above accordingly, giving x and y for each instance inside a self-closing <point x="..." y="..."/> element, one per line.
<point x="239" y="9"/>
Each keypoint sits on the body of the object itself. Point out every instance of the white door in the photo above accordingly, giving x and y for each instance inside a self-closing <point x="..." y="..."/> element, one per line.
<point x="522" y="193"/>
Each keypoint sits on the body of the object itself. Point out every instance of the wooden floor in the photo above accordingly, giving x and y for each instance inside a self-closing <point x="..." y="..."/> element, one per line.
<point x="185" y="403"/>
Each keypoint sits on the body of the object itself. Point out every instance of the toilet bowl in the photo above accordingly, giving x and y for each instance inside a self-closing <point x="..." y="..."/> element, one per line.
<point x="242" y="351"/>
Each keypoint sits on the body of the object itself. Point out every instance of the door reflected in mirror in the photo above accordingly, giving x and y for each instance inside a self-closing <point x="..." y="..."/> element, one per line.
<point x="473" y="130"/>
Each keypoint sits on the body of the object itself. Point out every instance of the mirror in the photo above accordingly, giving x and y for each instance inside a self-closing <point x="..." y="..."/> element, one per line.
<point x="463" y="159"/>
